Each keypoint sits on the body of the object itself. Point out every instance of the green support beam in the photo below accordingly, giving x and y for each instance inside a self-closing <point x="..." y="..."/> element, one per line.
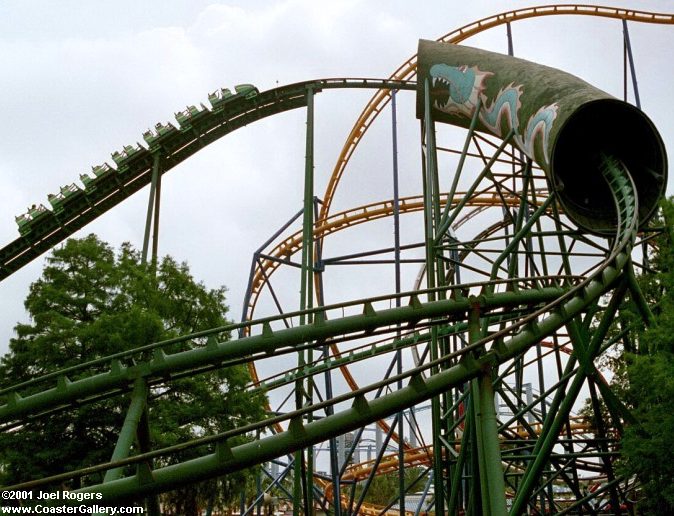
<point x="119" y="377"/>
<point x="128" y="433"/>
<point x="429" y="173"/>
<point x="363" y="411"/>
<point x="492" y="486"/>
<point x="303" y="478"/>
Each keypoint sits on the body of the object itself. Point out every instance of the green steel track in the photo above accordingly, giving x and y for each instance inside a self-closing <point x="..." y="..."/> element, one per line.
<point x="553" y="308"/>
<point x="109" y="376"/>
<point x="469" y="328"/>
<point x="111" y="188"/>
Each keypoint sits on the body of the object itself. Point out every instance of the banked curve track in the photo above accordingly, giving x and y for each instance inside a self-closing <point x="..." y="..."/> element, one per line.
<point x="546" y="309"/>
<point x="85" y="206"/>
<point x="555" y="307"/>
<point x="559" y="311"/>
<point x="112" y="187"/>
<point x="407" y="70"/>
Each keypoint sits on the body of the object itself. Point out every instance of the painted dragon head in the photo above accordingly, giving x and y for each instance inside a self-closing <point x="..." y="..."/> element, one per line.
<point x="456" y="89"/>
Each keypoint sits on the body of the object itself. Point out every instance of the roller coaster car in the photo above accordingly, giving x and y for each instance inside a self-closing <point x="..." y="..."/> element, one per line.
<point x="160" y="132"/>
<point x="195" y="111"/>
<point x="182" y="117"/>
<point x="121" y="158"/>
<point x="130" y="150"/>
<point x="23" y="222"/>
<point x="218" y="98"/>
<point x="118" y="158"/>
<point x="26" y="221"/>
<point x="190" y="115"/>
<point x="247" y="91"/>
<point x="37" y="211"/>
<point x="87" y="181"/>
<point x="101" y="170"/>
<point x="57" y="200"/>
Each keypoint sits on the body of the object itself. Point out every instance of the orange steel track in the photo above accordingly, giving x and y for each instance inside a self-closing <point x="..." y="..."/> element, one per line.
<point x="418" y="457"/>
<point x="422" y="456"/>
<point x="353" y="217"/>
<point x="337" y="222"/>
<point x="407" y="70"/>
<point x="327" y="224"/>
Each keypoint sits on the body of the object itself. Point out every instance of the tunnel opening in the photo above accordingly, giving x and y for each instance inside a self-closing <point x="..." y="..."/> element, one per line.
<point x="613" y="128"/>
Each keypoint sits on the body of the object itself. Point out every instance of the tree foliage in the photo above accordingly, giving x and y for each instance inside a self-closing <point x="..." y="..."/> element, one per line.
<point x="90" y="303"/>
<point x="385" y="487"/>
<point x="645" y="381"/>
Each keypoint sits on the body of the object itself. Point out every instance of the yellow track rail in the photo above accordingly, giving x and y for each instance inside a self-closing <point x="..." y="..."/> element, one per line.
<point x="408" y="69"/>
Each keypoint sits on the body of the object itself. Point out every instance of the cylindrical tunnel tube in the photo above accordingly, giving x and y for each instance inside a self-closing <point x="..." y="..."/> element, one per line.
<point x="560" y="121"/>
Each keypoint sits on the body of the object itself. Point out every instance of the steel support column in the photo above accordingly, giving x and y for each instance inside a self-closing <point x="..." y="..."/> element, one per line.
<point x="429" y="171"/>
<point x="630" y="59"/>
<point x="127" y="435"/>
<point x="492" y="485"/>
<point x="396" y="252"/>
<point x="303" y="480"/>
<point x="564" y="400"/>
<point x="152" y="207"/>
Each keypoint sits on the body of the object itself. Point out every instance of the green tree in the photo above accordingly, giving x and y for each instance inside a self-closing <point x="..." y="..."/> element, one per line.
<point x="90" y="303"/>
<point x="385" y="487"/>
<point x="645" y="381"/>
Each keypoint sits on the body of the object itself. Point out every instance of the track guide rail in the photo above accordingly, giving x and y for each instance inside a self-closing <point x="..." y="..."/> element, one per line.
<point x="113" y="186"/>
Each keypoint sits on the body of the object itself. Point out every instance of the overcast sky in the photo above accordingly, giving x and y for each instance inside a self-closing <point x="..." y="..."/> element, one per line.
<point x="81" y="79"/>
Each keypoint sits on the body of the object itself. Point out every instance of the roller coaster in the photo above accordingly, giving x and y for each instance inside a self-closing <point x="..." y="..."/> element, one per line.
<point x="536" y="193"/>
